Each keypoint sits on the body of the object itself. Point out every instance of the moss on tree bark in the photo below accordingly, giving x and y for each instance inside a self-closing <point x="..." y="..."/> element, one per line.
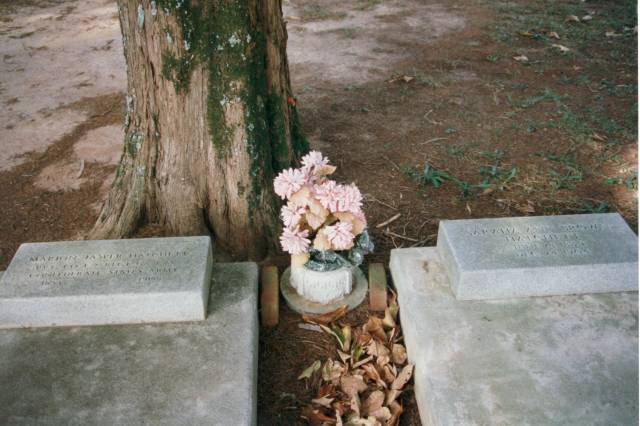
<point x="210" y="120"/>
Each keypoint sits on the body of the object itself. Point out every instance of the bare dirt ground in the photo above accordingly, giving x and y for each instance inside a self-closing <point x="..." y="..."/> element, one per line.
<point x="421" y="103"/>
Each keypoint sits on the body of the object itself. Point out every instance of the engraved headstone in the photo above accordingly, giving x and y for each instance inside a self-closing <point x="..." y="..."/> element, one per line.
<point x="106" y="282"/>
<point x="537" y="256"/>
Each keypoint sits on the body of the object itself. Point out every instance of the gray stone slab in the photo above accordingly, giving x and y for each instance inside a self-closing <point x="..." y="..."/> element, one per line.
<point x="537" y="256"/>
<point x="106" y="282"/>
<point x="558" y="360"/>
<point x="199" y="373"/>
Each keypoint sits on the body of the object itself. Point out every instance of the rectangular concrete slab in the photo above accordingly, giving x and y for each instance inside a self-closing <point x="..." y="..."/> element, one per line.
<point x="558" y="360"/>
<point x="199" y="373"/>
<point x="537" y="256"/>
<point x="73" y="283"/>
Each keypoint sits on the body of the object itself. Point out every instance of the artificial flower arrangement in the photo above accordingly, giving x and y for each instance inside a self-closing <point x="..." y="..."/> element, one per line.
<point x="324" y="225"/>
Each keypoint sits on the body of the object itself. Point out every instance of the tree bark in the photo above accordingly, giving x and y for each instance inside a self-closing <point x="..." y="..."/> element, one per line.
<point x="210" y="120"/>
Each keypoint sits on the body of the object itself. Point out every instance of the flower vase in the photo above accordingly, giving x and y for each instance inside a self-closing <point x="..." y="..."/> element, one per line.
<point x="322" y="287"/>
<point x="307" y="291"/>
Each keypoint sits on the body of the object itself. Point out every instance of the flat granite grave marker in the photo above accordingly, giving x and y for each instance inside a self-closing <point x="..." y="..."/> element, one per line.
<point x="538" y="256"/>
<point x="557" y="360"/>
<point x="107" y="282"/>
<point x="181" y="373"/>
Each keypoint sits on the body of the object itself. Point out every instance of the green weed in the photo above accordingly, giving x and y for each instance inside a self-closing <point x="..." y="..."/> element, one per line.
<point x="590" y="207"/>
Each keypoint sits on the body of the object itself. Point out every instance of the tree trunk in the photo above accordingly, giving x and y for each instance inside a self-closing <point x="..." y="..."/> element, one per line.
<point x="210" y="120"/>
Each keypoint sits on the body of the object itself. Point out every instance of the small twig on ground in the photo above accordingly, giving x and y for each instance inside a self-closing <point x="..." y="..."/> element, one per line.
<point x="426" y="117"/>
<point x="403" y="237"/>
<point x="422" y="226"/>
<point x="432" y="140"/>
<point x="374" y="199"/>
<point x="392" y="240"/>
<point x="392" y="163"/>
<point x="81" y="168"/>
<point x="423" y="241"/>
<point x="388" y="221"/>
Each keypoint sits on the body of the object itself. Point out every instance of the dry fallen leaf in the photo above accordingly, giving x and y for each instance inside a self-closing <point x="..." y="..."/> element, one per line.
<point x="342" y="335"/>
<point x="371" y="357"/>
<point x="346" y="333"/>
<point x="328" y="317"/>
<point x="352" y="385"/>
<point x="310" y="327"/>
<point x="343" y="356"/>
<point x="393" y="305"/>
<point x="383" y="360"/>
<point x="325" y="401"/>
<point x="362" y="362"/>
<point x="315" y="417"/>
<point x="392" y="395"/>
<point x="374" y="402"/>
<point x="373" y="374"/>
<point x="396" y="411"/>
<point x="306" y="374"/>
<point x="572" y="18"/>
<point x="521" y="58"/>
<point x="586" y="18"/>
<point x="389" y="372"/>
<point x="340" y="407"/>
<point x="358" y="421"/>
<point x="598" y="137"/>
<point x="553" y="34"/>
<point x="374" y="328"/>
<point x="399" y="354"/>
<point x="388" y="320"/>
<point x="403" y="377"/>
<point x="377" y="348"/>
<point x="527" y="207"/>
<point x="612" y="33"/>
<point x="405" y="78"/>
<point x="354" y="404"/>
<point x="562" y="48"/>
<point x="382" y="414"/>
<point x="332" y="371"/>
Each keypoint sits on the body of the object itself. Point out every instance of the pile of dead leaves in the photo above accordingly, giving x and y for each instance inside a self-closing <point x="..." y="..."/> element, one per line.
<point x="362" y="385"/>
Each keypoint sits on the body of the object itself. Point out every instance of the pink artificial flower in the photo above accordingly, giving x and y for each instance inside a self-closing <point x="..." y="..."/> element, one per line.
<point x="295" y="241"/>
<point x="314" y="159"/>
<point x="361" y="217"/>
<point x="291" y="214"/>
<point x="350" y="200"/>
<point x="329" y="194"/>
<point x="288" y="182"/>
<point x="340" y="235"/>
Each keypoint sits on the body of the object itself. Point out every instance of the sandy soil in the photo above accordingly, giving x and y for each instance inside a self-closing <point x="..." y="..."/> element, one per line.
<point x="383" y="88"/>
<point x="52" y="56"/>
